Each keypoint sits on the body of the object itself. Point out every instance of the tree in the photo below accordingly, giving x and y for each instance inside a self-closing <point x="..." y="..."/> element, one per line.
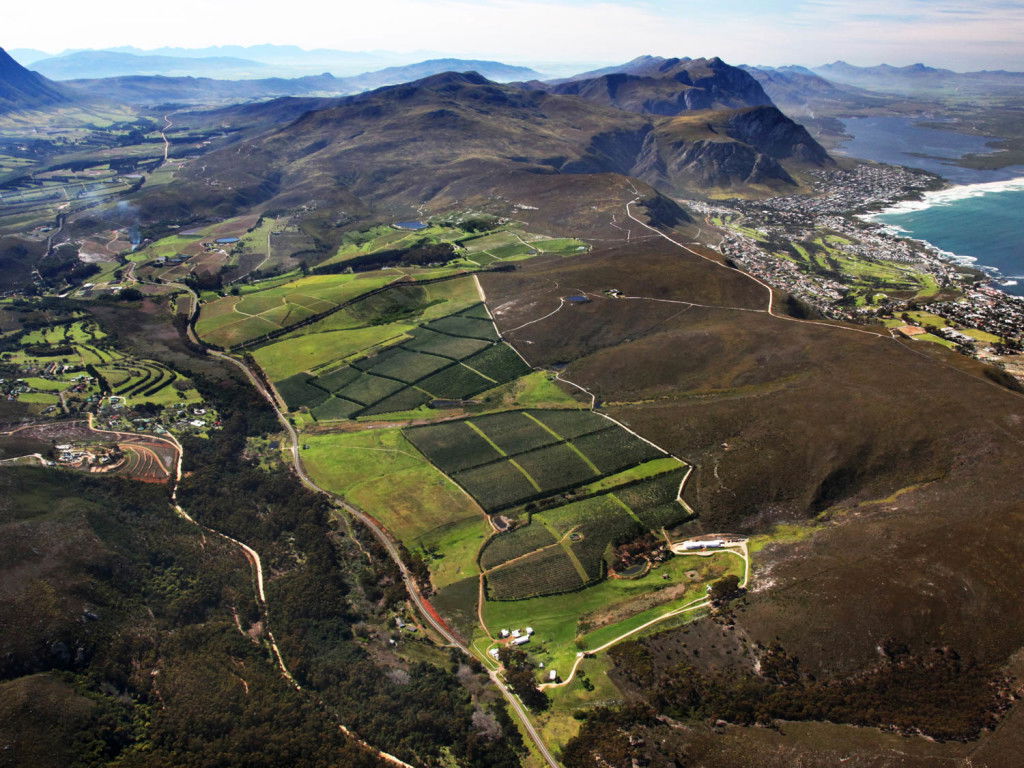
<point x="725" y="588"/>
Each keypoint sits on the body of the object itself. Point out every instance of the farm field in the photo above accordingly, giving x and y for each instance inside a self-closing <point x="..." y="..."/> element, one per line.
<point x="506" y="243"/>
<point x="374" y="322"/>
<point x="507" y="459"/>
<point x="384" y="475"/>
<point x="393" y="367"/>
<point x="232" y="320"/>
<point x="579" y="534"/>
<point x="568" y="623"/>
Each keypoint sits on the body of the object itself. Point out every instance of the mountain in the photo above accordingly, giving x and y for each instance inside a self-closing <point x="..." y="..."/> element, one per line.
<point x="151" y="90"/>
<point x="492" y="70"/>
<point x="918" y="79"/>
<point x="719" y="102"/>
<point x="21" y="89"/>
<point x="96" y="64"/>
<point x="660" y="86"/>
<point x="415" y="143"/>
<point x="799" y="91"/>
<point x="290" y="59"/>
<point x="28" y="56"/>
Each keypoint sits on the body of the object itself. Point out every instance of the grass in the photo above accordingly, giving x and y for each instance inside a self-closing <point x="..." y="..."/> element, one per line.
<point x="383" y="474"/>
<point x="39" y="398"/>
<point x="556" y="619"/>
<point x="277" y="307"/>
<point x="310" y="352"/>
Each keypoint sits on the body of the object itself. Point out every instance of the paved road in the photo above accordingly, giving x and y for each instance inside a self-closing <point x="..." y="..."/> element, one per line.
<point x="422" y="606"/>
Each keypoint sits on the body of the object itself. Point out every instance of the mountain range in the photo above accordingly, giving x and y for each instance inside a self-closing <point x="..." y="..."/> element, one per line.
<point x="97" y="64"/>
<point x="918" y="79"/>
<point x="449" y="135"/>
<point x="154" y="90"/>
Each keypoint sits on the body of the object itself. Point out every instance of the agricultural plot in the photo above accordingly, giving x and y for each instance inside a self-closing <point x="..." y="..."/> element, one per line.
<point x="514" y="431"/>
<point x="498" y="363"/>
<point x="613" y="449"/>
<point x="516" y="456"/>
<point x="383" y="474"/>
<point x="549" y="571"/>
<point x="298" y="391"/>
<point x="497" y="485"/>
<point x="555" y="467"/>
<point x="452" y="446"/>
<point x="454" y="347"/>
<point x="336" y="408"/>
<point x="589" y="528"/>
<point x="464" y="325"/>
<point x="256" y="314"/>
<point x="508" y="545"/>
<point x="420" y="364"/>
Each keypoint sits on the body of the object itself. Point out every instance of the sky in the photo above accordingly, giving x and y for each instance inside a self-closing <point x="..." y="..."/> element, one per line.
<point x="981" y="34"/>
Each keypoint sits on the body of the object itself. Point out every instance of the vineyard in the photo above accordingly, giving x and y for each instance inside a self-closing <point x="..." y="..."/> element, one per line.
<point x="435" y="362"/>
<point x="549" y="572"/>
<point x="588" y="528"/>
<point x="513" y="457"/>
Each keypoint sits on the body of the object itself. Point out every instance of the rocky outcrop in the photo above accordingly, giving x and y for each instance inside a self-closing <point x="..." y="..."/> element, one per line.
<point x="772" y="133"/>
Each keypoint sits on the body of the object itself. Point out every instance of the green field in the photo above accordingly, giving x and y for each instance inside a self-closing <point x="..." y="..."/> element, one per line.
<point x="584" y="531"/>
<point x="375" y="322"/>
<point x="564" y="624"/>
<point x="386" y="365"/>
<point x="232" y="320"/>
<point x="509" y="458"/>
<point x="383" y="474"/>
<point x="475" y="250"/>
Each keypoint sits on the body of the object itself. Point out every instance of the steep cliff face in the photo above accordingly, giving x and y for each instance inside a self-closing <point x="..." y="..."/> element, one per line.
<point x="775" y="135"/>
<point x="709" y="103"/>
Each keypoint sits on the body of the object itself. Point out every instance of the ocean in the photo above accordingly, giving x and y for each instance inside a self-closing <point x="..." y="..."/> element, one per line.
<point x="979" y="220"/>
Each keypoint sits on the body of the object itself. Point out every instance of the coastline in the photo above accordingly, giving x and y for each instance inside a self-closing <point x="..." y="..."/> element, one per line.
<point x="949" y="195"/>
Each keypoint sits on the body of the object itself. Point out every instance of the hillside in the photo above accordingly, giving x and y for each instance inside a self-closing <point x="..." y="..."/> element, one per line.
<point x="152" y="90"/>
<point x="21" y="89"/>
<point x="800" y="91"/>
<point x="409" y="144"/>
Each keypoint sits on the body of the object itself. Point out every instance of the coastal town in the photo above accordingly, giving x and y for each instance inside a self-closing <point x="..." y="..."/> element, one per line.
<point x="827" y="252"/>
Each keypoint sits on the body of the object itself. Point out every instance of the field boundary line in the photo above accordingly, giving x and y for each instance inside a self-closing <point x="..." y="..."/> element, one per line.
<point x="490" y="442"/>
<point x="526" y="474"/>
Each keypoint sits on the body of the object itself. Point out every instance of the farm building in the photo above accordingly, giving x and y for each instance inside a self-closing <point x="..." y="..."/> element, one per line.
<point x="553" y="676"/>
<point x="704" y="544"/>
<point x="521" y="640"/>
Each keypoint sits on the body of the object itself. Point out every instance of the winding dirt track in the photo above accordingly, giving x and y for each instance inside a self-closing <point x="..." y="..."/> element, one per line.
<point x="423" y="606"/>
